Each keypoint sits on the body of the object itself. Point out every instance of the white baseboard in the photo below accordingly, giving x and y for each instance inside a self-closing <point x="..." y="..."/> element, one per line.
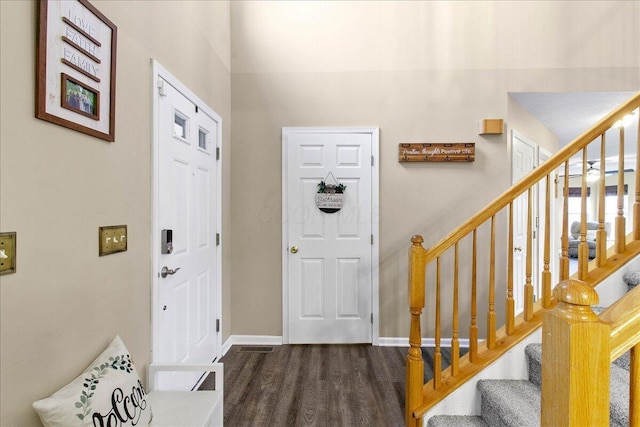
<point x="382" y="341"/>
<point x="426" y="342"/>
<point x="250" y="340"/>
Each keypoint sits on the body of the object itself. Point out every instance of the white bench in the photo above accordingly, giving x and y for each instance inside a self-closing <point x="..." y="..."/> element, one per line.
<point x="186" y="408"/>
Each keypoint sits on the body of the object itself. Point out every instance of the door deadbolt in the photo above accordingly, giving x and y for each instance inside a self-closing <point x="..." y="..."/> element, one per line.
<point x="294" y="249"/>
<point x="517" y="249"/>
<point x="166" y="271"/>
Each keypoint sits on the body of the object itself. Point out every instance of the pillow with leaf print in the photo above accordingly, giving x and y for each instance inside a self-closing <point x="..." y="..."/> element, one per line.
<point x="108" y="393"/>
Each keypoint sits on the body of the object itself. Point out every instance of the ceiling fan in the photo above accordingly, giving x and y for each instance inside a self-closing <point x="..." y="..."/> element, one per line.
<point x="593" y="173"/>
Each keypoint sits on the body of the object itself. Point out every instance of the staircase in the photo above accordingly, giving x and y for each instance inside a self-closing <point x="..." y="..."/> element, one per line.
<point x="578" y="345"/>
<point x="516" y="403"/>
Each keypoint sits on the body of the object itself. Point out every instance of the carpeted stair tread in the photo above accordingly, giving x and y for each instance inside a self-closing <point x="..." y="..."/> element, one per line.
<point x="534" y="363"/>
<point x="619" y="376"/>
<point x="624" y="360"/>
<point x="510" y="402"/>
<point x="456" y="421"/>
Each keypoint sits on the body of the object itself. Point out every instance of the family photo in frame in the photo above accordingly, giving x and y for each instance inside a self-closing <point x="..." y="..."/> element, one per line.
<point x="76" y="67"/>
<point x="80" y="98"/>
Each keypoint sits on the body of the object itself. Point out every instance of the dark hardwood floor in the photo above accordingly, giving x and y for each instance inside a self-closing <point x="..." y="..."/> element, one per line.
<point x="316" y="385"/>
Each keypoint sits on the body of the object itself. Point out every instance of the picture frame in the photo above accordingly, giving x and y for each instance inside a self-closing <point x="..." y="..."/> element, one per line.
<point x="80" y="98"/>
<point x="76" y="67"/>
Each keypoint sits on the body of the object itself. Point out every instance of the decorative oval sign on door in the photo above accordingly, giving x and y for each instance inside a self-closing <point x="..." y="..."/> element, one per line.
<point x="330" y="197"/>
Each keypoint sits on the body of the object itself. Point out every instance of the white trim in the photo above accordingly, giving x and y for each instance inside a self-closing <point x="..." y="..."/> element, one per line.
<point x="284" y="245"/>
<point x="250" y="340"/>
<point x="161" y="72"/>
<point x="382" y="341"/>
<point x="519" y="136"/>
<point x="375" y="228"/>
<point x="426" y="342"/>
<point x="543" y="156"/>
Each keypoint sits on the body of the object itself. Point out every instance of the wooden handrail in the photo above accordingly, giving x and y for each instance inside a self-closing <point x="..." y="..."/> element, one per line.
<point x="624" y="319"/>
<point x="533" y="177"/>
<point x="477" y="359"/>
<point x="419" y="399"/>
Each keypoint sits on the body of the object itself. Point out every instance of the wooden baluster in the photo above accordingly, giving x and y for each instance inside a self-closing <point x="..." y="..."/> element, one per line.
<point x="601" y="234"/>
<point x="510" y="326"/>
<point x="564" y="240"/>
<point x="528" y="286"/>
<point x="546" y="273"/>
<point x="575" y="344"/>
<point x="621" y="244"/>
<point x="491" y="315"/>
<point x="636" y="205"/>
<point x="437" y="357"/>
<point x="415" y="364"/>
<point x="583" y="246"/>
<point x="634" y="387"/>
<point x="473" y="329"/>
<point x="455" y="343"/>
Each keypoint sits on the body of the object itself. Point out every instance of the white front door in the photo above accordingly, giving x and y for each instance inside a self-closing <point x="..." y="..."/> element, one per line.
<point x="186" y="251"/>
<point x="523" y="161"/>
<point x="328" y="265"/>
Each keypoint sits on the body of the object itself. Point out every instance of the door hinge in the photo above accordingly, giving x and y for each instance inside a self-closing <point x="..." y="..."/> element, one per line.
<point x="217" y="239"/>
<point x="372" y="239"/>
<point x="161" y="87"/>
<point x="196" y="108"/>
<point x="217" y="325"/>
<point x="371" y="160"/>
<point x="217" y="153"/>
<point x="372" y="318"/>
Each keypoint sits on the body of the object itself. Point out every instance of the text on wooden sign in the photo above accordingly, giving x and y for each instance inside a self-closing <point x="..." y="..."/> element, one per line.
<point x="454" y="152"/>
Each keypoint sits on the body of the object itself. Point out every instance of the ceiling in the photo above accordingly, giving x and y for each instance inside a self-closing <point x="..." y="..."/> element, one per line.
<point x="568" y="115"/>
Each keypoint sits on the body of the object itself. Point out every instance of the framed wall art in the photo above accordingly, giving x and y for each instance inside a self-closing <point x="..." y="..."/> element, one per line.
<point x="76" y="67"/>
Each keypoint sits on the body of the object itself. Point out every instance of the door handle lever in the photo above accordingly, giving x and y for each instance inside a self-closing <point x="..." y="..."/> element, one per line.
<point x="166" y="271"/>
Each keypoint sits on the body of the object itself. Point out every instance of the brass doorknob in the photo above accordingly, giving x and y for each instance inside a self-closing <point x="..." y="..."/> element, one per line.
<point x="294" y="249"/>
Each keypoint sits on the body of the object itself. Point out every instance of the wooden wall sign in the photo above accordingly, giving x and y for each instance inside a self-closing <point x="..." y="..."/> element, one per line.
<point x="76" y="68"/>
<point x="455" y="152"/>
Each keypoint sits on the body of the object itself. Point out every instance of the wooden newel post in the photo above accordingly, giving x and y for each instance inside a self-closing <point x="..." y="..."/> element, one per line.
<point x="415" y="365"/>
<point x="575" y="360"/>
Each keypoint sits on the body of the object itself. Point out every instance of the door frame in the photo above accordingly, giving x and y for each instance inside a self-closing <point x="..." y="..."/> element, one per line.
<point x="540" y="155"/>
<point x="160" y="72"/>
<point x="543" y="156"/>
<point x="375" y="217"/>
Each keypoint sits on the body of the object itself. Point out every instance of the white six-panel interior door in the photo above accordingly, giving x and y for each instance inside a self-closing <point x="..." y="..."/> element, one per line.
<point x="330" y="261"/>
